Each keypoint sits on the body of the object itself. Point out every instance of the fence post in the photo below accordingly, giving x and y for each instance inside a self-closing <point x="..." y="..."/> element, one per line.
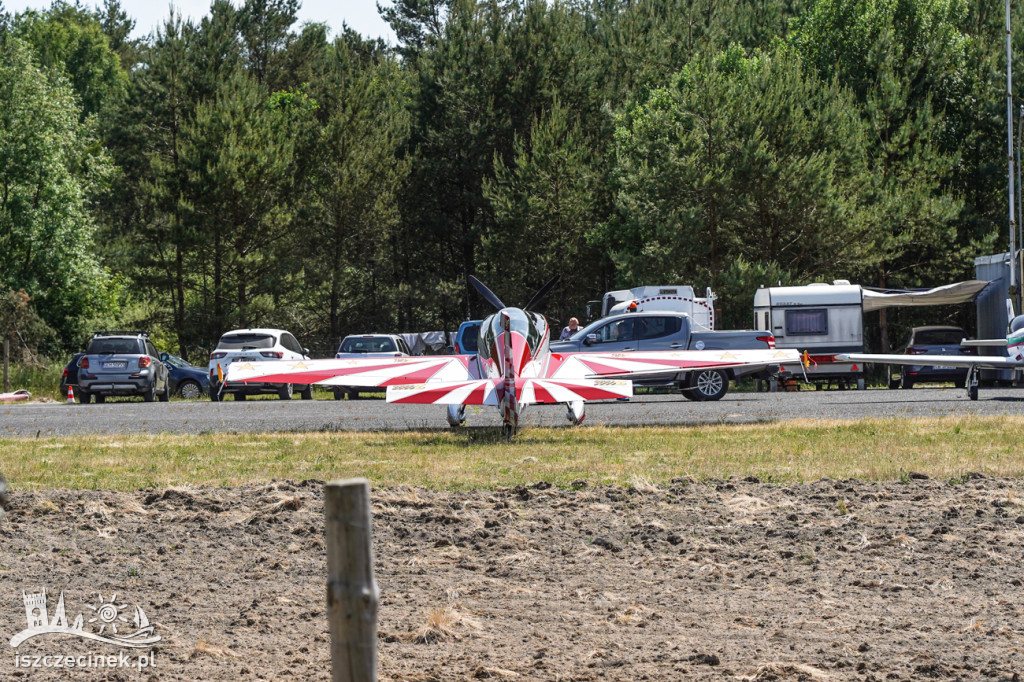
<point x="7" y="356"/>
<point x="352" y="594"/>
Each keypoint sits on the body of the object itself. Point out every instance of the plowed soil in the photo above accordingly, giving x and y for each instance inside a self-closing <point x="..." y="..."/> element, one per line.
<point x="732" y="579"/>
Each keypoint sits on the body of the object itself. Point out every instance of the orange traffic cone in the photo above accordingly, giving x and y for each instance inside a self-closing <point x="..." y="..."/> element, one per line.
<point x="71" y="395"/>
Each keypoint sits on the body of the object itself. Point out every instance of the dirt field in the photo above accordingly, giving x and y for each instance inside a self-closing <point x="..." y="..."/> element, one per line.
<point x="720" y="580"/>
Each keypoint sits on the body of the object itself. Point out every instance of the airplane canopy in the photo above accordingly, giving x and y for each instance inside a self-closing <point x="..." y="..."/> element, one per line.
<point x="958" y="292"/>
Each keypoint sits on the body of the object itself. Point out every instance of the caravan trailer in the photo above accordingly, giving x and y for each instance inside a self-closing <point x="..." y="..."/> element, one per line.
<point x="679" y="298"/>
<point x="821" y="319"/>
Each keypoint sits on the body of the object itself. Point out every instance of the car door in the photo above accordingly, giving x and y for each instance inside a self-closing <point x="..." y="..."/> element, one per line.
<point x="291" y="344"/>
<point x="617" y="336"/>
<point x="660" y="332"/>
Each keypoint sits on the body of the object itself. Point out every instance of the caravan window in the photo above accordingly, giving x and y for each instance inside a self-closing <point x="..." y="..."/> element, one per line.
<point x="806" y="322"/>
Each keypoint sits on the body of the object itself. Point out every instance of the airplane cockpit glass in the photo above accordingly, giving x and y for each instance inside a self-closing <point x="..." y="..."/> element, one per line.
<point x="520" y="321"/>
<point x="1017" y="324"/>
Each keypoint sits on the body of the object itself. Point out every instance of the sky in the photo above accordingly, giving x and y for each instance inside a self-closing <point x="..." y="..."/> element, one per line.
<point x="360" y="15"/>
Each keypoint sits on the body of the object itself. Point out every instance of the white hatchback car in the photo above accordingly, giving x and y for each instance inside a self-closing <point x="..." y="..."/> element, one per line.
<point x="255" y="345"/>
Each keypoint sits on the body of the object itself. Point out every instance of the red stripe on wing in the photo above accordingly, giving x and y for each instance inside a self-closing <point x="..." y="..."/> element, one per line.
<point x="586" y="392"/>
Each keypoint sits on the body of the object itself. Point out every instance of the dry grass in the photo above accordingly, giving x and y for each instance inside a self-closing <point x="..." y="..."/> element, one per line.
<point x="444" y="623"/>
<point x="878" y="449"/>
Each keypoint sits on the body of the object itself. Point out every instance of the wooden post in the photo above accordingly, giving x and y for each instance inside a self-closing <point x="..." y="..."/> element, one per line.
<point x="352" y="594"/>
<point x="7" y="359"/>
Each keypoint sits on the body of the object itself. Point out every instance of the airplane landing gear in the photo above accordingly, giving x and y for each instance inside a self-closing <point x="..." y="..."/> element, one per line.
<point x="575" y="412"/>
<point x="508" y="430"/>
<point x="972" y="383"/>
<point x="456" y="415"/>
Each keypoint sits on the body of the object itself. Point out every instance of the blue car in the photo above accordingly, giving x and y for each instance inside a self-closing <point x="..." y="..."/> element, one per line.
<point x="185" y="379"/>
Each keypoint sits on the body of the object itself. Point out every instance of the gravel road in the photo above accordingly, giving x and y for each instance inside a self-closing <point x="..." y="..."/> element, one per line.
<point x="132" y="416"/>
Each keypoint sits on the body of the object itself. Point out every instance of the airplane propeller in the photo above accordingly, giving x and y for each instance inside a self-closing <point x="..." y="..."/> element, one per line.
<point x="486" y="293"/>
<point x="493" y="299"/>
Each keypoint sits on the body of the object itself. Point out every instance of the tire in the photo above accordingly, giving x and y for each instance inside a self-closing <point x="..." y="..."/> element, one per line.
<point x="306" y="393"/>
<point x="972" y="392"/>
<point x="149" y="395"/>
<point x="338" y="394"/>
<point x="688" y="393"/>
<point x="906" y="382"/>
<point x="285" y="392"/>
<point x="190" y="390"/>
<point x="166" y="395"/>
<point x="861" y="384"/>
<point x="239" y="396"/>
<point x="100" y="398"/>
<point x="894" y="383"/>
<point x="710" y="384"/>
<point x="215" y="397"/>
<point x="84" y="397"/>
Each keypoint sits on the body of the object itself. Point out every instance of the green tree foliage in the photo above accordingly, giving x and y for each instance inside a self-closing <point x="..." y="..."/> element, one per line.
<point x="68" y="38"/>
<point x="750" y="157"/>
<point x="50" y="167"/>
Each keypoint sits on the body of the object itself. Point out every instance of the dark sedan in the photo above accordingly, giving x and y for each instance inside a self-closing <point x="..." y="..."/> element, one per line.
<point x="70" y="376"/>
<point x="186" y="380"/>
<point x="932" y="340"/>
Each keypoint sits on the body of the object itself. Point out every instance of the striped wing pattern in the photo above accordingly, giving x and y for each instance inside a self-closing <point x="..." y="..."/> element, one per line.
<point x="489" y="391"/>
<point x="370" y="372"/>
<point x="625" y="365"/>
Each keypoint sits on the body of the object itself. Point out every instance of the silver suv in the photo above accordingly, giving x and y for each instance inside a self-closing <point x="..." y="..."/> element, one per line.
<point x="368" y="346"/>
<point x="122" y="363"/>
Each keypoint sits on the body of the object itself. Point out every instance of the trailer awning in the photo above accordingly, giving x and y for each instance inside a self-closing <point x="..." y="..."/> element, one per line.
<point x="959" y="292"/>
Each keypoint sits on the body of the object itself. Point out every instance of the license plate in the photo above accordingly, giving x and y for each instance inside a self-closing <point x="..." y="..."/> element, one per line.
<point x="943" y="367"/>
<point x="116" y="364"/>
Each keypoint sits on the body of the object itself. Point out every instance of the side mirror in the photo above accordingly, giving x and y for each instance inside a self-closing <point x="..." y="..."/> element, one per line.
<point x="305" y="351"/>
<point x="163" y="357"/>
<point x="591" y="338"/>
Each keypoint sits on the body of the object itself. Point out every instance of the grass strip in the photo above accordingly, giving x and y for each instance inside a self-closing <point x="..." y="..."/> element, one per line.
<point x="784" y="452"/>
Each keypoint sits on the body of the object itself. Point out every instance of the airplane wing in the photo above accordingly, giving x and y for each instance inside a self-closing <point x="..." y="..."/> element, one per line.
<point x="569" y="366"/>
<point x="489" y="391"/>
<point x="370" y="372"/>
<point x="933" y="360"/>
<point x="984" y="342"/>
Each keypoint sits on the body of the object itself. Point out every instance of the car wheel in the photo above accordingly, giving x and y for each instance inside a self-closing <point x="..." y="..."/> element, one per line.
<point x="100" y="398"/>
<point x="906" y="382"/>
<point x="285" y="392"/>
<point x="149" y="395"/>
<point x="84" y="397"/>
<point x="710" y="384"/>
<point x="215" y="397"/>
<point x="338" y="394"/>
<point x="165" y="396"/>
<point x="189" y="390"/>
<point x="894" y="382"/>
<point x="306" y="393"/>
<point x="239" y="396"/>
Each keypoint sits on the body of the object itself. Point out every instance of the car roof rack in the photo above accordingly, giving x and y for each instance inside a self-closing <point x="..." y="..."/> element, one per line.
<point x="115" y="332"/>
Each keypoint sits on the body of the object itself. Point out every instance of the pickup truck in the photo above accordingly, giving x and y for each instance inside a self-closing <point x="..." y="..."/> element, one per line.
<point x="666" y="330"/>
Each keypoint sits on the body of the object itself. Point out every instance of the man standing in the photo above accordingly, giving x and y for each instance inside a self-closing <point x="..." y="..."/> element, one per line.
<point x="574" y="326"/>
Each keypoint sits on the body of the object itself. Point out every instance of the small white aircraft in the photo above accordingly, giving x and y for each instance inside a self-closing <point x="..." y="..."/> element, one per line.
<point x="514" y="368"/>
<point x="1014" y="359"/>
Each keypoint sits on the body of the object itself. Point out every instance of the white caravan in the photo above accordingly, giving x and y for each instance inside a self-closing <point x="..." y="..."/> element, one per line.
<point x="676" y="298"/>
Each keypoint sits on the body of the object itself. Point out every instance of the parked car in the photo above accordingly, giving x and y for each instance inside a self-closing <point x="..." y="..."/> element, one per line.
<point x="255" y="345"/>
<point x="122" y="363"/>
<point x="468" y="337"/>
<point x="187" y="380"/>
<point x="930" y="340"/>
<point x="368" y="346"/>
<point x="70" y="376"/>
<point x="666" y="330"/>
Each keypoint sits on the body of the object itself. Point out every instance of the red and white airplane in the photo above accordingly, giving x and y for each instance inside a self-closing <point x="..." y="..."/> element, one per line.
<point x="513" y="368"/>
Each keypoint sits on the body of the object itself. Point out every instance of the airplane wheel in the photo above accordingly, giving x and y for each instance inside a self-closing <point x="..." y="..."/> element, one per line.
<point x="972" y="392"/>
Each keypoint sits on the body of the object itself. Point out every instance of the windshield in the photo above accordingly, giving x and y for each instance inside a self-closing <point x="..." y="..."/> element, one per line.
<point x="112" y="345"/>
<point x="470" y="338"/>
<point x="372" y="344"/>
<point x="527" y="324"/>
<point x="176" y="361"/>
<point x="939" y="337"/>
<point x="239" y="341"/>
